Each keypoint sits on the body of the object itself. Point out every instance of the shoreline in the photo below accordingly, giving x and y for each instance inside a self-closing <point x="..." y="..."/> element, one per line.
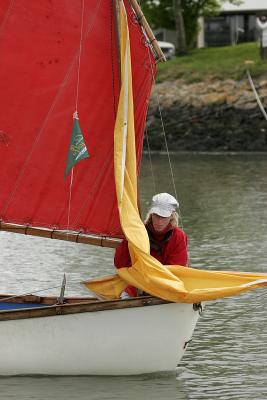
<point x="210" y="153"/>
<point x="208" y="116"/>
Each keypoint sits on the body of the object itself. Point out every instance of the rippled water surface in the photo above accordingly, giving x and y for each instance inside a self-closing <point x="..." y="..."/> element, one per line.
<point x="223" y="204"/>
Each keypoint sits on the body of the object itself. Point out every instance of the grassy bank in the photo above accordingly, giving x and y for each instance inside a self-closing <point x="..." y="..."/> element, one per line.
<point x="217" y="62"/>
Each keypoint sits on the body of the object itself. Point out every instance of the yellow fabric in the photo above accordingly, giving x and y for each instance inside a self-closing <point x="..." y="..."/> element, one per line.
<point x="174" y="283"/>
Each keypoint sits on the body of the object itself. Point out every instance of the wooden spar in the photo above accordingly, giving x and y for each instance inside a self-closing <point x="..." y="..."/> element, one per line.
<point x="69" y="236"/>
<point x="143" y="22"/>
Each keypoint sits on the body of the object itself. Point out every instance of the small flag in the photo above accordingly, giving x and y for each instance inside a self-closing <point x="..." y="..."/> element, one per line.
<point x="77" y="147"/>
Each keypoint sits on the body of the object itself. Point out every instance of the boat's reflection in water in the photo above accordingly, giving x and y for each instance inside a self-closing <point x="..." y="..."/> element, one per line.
<point x="154" y="386"/>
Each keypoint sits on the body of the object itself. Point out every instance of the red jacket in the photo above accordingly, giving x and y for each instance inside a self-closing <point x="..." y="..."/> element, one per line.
<point x="169" y="247"/>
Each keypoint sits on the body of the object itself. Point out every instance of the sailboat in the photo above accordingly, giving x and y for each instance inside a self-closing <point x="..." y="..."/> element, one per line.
<point x="75" y="80"/>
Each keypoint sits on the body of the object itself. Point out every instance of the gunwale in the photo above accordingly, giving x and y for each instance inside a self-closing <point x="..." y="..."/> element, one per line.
<point x="71" y="306"/>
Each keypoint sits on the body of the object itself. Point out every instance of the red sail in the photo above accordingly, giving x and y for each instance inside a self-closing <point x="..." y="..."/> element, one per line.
<point x="40" y="81"/>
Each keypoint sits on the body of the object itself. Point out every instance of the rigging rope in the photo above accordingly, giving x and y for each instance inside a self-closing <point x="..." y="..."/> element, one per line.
<point x="150" y="162"/>
<point x="256" y="95"/>
<point x="75" y="115"/>
<point x="167" y="148"/>
<point x="79" y="59"/>
<point x="28" y="294"/>
<point x="235" y="315"/>
<point x="70" y="194"/>
<point x="35" y="291"/>
<point x="159" y="108"/>
<point x="163" y="127"/>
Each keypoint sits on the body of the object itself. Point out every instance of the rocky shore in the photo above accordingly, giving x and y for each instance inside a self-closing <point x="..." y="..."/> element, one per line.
<point x="213" y="115"/>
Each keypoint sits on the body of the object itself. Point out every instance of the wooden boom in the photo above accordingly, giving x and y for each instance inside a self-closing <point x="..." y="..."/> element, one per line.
<point x="69" y="236"/>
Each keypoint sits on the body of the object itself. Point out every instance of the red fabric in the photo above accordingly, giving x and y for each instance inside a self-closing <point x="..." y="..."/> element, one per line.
<point x="132" y="291"/>
<point x="172" y="251"/>
<point x="122" y="256"/>
<point x="40" y="43"/>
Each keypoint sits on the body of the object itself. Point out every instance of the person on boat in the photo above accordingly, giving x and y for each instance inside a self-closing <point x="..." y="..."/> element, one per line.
<point x="261" y="22"/>
<point x="168" y="242"/>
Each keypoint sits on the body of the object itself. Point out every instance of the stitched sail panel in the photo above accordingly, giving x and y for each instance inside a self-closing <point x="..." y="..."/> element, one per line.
<point x="38" y="82"/>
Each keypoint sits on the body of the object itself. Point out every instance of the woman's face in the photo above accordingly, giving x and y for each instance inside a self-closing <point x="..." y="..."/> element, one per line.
<point x="160" y="223"/>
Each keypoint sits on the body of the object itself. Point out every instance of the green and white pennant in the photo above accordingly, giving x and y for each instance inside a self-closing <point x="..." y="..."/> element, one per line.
<point x="77" y="148"/>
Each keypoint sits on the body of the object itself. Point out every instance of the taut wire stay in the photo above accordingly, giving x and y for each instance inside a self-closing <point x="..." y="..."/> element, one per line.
<point x="167" y="150"/>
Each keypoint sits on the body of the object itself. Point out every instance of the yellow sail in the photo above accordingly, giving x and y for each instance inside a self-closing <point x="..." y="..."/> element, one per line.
<point x="173" y="283"/>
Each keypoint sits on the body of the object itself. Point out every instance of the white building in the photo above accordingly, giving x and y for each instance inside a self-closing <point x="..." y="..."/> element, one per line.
<point x="235" y="24"/>
<point x="246" y="6"/>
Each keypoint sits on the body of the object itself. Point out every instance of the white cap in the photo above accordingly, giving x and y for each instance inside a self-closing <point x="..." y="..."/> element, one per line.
<point x="163" y="204"/>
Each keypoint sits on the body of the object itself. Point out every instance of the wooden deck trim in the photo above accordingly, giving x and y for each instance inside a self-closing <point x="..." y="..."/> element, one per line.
<point x="92" y="305"/>
<point x="51" y="300"/>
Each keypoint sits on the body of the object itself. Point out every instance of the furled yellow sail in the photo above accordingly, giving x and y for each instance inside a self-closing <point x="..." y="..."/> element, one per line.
<point x="173" y="283"/>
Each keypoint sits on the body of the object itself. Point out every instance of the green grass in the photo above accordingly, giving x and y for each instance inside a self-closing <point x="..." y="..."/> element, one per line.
<point x="216" y="62"/>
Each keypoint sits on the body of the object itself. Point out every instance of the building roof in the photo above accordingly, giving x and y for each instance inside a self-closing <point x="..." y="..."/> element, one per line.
<point x="246" y="5"/>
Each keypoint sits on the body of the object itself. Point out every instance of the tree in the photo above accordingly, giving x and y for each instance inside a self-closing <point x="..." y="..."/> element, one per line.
<point x="182" y="16"/>
<point x="180" y="26"/>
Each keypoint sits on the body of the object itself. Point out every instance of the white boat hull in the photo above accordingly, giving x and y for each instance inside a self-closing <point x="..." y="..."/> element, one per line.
<point x="123" y="341"/>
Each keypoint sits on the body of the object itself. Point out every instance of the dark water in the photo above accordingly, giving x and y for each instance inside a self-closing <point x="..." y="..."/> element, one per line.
<point x="223" y="202"/>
